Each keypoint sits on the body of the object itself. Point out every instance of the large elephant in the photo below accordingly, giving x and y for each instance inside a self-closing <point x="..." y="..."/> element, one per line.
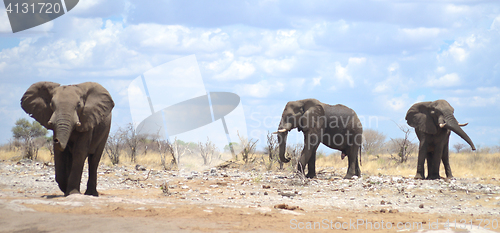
<point x="433" y="123"/>
<point x="80" y="117"/>
<point x="336" y="126"/>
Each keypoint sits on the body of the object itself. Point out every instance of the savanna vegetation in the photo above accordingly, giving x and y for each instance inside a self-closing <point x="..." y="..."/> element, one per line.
<point x="380" y="155"/>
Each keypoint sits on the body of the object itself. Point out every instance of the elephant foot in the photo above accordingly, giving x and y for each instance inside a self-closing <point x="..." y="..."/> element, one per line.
<point x="74" y="191"/>
<point x="92" y="193"/>
<point x="348" y="176"/>
<point x="310" y="175"/>
<point x="419" y="176"/>
<point x="433" y="177"/>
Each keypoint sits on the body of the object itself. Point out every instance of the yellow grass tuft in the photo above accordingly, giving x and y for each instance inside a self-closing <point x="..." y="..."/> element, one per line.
<point x="463" y="165"/>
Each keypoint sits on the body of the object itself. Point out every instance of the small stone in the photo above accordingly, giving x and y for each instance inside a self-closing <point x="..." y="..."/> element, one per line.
<point x="393" y="211"/>
<point x="421" y="206"/>
<point x="478" y="197"/>
<point x="382" y="202"/>
<point x="265" y="193"/>
<point x="383" y="210"/>
<point x="287" y="193"/>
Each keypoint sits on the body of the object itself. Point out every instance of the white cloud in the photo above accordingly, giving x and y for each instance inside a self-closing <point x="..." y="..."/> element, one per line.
<point x="478" y="97"/>
<point x="4" y="20"/>
<point x="398" y="103"/>
<point x="419" y="34"/>
<point x="238" y="70"/>
<point x="317" y="81"/>
<point x="447" y="80"/>
<point x="2" y="66"/>
<point x="276" y="65"/>
<point x="496" y="24"/>
<point x="261" y="89"/>
<point x="342" y="75"/>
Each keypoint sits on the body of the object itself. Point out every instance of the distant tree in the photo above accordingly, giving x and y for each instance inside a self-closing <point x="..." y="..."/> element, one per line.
<point x="458" y="147"/>
<point x="402" y="146"/>
<point x="373" y="141"/>
<point x="28" y="133"/>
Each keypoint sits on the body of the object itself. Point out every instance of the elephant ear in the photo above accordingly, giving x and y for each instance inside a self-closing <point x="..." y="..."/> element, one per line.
<point x="36" y="101"/>
<point x="97" y="105"/>
<point x="314" y="117"/>
<point x="418" y="117"/>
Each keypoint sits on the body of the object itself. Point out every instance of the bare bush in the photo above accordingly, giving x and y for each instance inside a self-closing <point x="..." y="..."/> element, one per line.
<point x="114" y="146"/>
<point x="458" y="147"/>
<point x="272" y="151"/>
<point x="248" y="148"/>
<point x="373" y="141"/>
<point x="166" y="150"/>
<point x="293" y="152"/>
<point x="132" y="141"/>
<point x="180" y="149"/>
<point x="403" y="147"/>
<point x="207" y="151"/>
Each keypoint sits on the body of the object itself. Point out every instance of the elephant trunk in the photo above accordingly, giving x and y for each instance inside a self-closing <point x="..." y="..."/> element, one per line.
<point x="282" y="146"/>
<point x="452" y="124"/>
<point x="63" y="126"/>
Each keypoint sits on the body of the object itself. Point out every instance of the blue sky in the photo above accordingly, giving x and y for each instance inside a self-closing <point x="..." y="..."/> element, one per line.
<point x="377" y="57"/>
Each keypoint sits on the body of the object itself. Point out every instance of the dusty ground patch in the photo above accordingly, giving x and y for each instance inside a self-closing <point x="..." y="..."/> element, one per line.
<point x="241" y="200"/>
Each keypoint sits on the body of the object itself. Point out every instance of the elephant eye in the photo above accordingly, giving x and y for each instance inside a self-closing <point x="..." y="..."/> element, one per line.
<point x="78" y="105"/>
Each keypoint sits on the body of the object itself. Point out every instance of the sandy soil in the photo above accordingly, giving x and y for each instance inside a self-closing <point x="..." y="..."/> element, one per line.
<point x="243" y="200"/>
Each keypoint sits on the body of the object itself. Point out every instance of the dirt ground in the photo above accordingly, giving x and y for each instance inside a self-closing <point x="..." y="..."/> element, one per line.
<point x="236" y="199"/>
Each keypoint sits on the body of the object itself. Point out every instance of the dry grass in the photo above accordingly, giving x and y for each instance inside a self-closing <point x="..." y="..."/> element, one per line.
<point x="463" y="165"/>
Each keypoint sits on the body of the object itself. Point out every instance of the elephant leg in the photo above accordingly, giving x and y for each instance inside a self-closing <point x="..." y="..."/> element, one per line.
<point x="311" y="165"/>
<point x="434" y="162"/>
<point x="75" y="176"/>
<point x="446" y="161"/>
<point x="62" y="161"/>
<point x="358" y="170"/>
<point x="309" y="148"/>
<point x="428" y="158"/>
<point x="93" y="161"/>
<point x="422" y="155"/>
<point x="353" y="167"/>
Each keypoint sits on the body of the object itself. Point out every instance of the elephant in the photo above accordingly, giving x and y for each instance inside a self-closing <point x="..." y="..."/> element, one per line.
<point x="80" y="118"/>
<point x="336" y="126"/>
<point x="433" y="123"/>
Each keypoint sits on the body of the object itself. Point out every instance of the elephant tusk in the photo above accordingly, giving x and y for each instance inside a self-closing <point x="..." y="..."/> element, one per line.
<point x="442" y="125"/>
<point x="78" y="124"/>
<point x="462" y="125"/>
<point x="280" y="131"/>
